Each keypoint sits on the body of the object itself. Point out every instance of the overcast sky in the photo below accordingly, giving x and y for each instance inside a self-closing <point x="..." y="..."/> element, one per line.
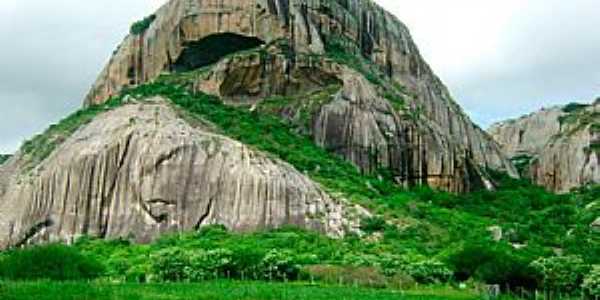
<point x="500" y="58"/>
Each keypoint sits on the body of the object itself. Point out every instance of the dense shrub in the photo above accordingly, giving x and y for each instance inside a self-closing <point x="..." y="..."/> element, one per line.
<point x="591" y="283"/>
<point x="54" y="262"/>
<point x="373" y="224"/>
<point x="139" y="27"/>
<point x="175" y="264"/>
<point x="561" y="273"/>
<point x="169" y="265"/>
<point x="573" y="107"/>
<point x="279" y="265"/>
<point x="492" y="263"/>
<point x="208" y="264"/>
<point x="429" y="271"/>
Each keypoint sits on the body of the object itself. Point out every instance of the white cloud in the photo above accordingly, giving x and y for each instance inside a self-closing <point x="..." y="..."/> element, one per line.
<point x="505" y="58"/>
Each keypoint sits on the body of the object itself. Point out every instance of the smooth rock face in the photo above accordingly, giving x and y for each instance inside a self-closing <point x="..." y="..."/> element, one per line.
<point x="565" y="146"/>
<point x="307" y="26"/>
<point x="367" y="130"/>
<point x="139" y="171"/>
<point x="529" y="134"/>
<point x="357" y="123"/>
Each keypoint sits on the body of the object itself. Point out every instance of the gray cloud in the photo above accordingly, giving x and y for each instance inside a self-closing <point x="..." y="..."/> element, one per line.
<point x="51" y="54"/>
<point x="549" y="55"/>
<point x="53" y="50"/>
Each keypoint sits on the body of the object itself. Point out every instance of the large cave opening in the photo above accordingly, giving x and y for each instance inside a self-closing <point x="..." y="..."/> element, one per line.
<point x="211" y="49"/>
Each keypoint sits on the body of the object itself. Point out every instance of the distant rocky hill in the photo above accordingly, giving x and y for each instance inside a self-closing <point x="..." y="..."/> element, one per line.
<point x="556" y="147"/>
<point x="345" y="76"/>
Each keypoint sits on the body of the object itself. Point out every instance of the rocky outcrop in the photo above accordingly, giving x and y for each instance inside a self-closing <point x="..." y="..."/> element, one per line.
<point x="302" y="31"/>
<point x="367" y="130"/>
<point x="527" y="135"/>
<point x="563" y="143"/>
<point x="139" y="171"/>
<point x="352" y="119"/>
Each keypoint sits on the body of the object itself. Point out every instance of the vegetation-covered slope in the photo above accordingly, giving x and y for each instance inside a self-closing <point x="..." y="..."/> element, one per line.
<point x="420" y="234"/>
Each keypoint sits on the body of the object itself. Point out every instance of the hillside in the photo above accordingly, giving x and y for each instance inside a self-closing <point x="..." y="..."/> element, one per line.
<point x="488" y="236"/>
<point x="287" y="141"/>
<point x="344" y="87"/>
<point x="555" y="147"/>
<point x="394" y="111"/>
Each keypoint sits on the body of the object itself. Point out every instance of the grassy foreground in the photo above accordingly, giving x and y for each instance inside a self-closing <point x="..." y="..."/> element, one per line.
<point x="219" y="290"/>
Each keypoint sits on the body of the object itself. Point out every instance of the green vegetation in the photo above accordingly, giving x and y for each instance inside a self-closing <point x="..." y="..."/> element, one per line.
<point x="218" y="290"/>
<point x="272" y="135"/>
<point x="41" y="146"/>
<point x="574" y="107"/>
<point x="578" y="117"/>
<point x="300" y="109"/>
<point x="279" y="255"/>
<point x="415" y="236"/>
<point x="591" y="283"/>
<point x="561" y="274"/>
<point x="54" y="262"/>
<point x="4" y="158"/>
<point x="141" y="26"/>
<point x="345" y="52"/>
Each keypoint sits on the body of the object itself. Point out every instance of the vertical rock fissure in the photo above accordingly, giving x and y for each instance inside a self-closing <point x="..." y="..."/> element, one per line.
<point x="206" y="214"/>
<point x="111" y="190"/>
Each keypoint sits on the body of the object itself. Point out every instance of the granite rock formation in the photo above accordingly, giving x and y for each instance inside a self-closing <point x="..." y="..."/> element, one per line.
<point x="527" y="135"/>
<point x="307" y="28"/>
<point x="139" y="171"/>
<point x="561" y="145"/>
<point x="346" y="72"/>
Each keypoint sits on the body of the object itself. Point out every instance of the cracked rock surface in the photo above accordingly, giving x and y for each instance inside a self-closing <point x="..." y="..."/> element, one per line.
<point x="564" y="146"/>
<point x="306" y="26"/>
<point x="139" y="171"/>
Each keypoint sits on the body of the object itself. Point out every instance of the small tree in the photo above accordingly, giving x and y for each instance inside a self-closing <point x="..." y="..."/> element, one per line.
<point x="278" y="265"/>
<point x="429" y="271"/>
<point x="560" y="273"/>
<point x="591" y="283"/>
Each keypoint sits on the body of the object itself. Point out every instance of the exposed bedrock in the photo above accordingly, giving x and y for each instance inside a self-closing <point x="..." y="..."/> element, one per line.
<point x="367" y="130"/>
<point x="355" y="121"/>
<point x="139" y="171"/>
<point x="561" y="145"/>
<point x="307" y="26"/>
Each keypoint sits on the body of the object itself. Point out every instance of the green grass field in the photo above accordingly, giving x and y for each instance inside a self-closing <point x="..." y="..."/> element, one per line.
<point x="220" y="290"/>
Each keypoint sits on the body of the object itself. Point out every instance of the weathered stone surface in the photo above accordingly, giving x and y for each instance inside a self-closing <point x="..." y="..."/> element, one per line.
<point x="140" y="170"/>
<point x="367" y="130"/>
<point x="356" y="123"/>
<point x="527" y="135"/>
<point x="307" y="26"/>
<point x="565" y="145"/>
